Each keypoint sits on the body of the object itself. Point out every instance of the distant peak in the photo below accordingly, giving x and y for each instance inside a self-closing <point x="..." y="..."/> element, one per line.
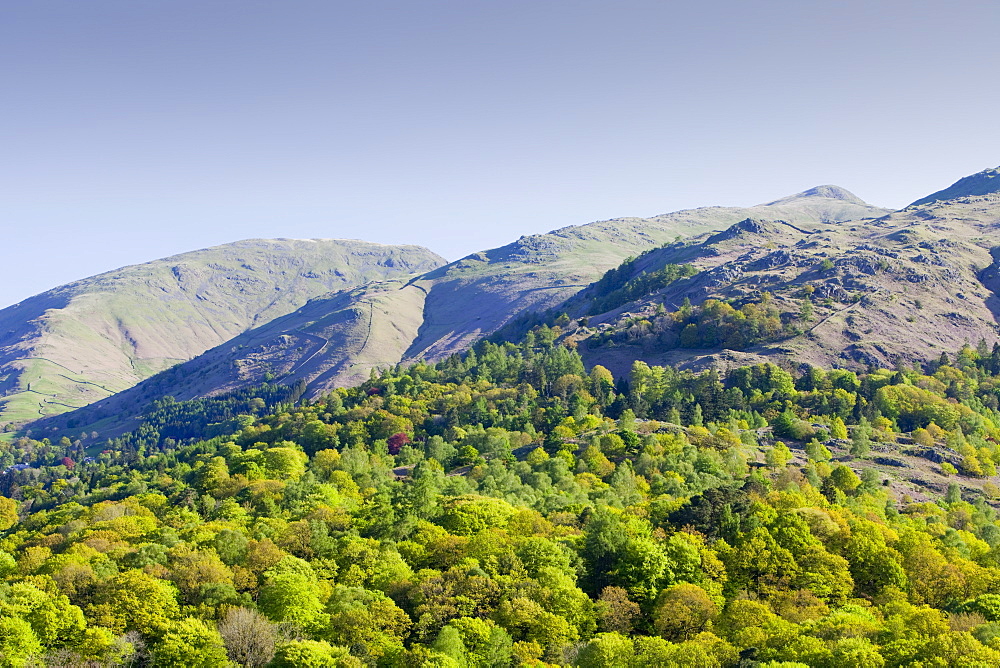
<point x="827" y="192"/>
<point x="981" y="183"/>
<point x="832" y="192"/>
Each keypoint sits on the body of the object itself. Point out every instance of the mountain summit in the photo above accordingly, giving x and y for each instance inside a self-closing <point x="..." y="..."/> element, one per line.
<point x="828" y="192"/>
<point x="982" y="183"/>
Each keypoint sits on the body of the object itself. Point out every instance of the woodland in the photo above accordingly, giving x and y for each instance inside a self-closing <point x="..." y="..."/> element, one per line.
<point x="732" y="435"/>
<point x="509" y="507"/>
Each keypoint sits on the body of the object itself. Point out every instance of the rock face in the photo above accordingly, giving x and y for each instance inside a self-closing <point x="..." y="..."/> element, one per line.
<point x="896" y="289"/>
<point x="87" y="340"/>
<point x="338" y="339"/>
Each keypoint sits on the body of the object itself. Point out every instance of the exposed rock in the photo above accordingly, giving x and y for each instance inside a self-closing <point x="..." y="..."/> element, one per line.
<point x="889" y="461"/>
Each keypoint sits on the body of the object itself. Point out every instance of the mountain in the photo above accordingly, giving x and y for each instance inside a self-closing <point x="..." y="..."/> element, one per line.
<point x="881" y="292"/>
<point x="983" y="183"/>
<point x="828" y="192"/>
<point x="337" y="339"/>
<point x="511" y="505"/>
<point x="90" y="339"/>
<point x="509" y="508"/>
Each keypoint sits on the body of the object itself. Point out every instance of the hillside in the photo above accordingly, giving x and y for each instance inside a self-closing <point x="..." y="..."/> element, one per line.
<point x="981" y="183"/>
<point x="507" y="508"/>
<point x="541" y="271"/>
<point x="794" y="463"/>
<point x="87" y="340"/>
<point x="881" y="292"/>
<point x="338" y="339"/>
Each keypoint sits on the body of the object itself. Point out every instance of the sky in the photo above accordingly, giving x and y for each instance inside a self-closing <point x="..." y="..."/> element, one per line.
<point x="136" y="129"/>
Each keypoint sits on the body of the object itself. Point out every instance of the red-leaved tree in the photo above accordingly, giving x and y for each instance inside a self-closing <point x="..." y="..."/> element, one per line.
<point x="396" y="441"/>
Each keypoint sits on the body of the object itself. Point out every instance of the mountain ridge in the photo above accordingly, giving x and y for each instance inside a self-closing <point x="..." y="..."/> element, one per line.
<point x="339" y="339"/>
<point x="980" y="183"/>
<point x="94" y="337"/>
<point x="882" y="292"/>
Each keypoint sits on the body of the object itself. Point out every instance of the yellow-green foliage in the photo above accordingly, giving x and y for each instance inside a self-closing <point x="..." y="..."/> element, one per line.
<point x="520" y="523"/>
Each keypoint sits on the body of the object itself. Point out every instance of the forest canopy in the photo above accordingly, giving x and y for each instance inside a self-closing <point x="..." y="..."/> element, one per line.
<point x="509" y="507"/>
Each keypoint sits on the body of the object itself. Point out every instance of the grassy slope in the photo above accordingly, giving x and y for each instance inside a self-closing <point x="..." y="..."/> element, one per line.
<point x="983" y="183"/>
<point x="87" y="340"/>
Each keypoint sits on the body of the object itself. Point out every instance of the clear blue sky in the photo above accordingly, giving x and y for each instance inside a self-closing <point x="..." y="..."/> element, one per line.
<point x="135" y="129"/>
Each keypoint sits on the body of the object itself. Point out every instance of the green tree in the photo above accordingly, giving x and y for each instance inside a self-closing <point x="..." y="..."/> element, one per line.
<point x="285" y="462"/>
<point x="682" y="611"/>
<point x="134" y="600"/>
<point x="189" y="642"/>
<point x="312" y="654"/>
<point x="838" y="429"/>
<point x="753" y="624"/>
<point x="778" y="456"/>
<point x="527" y="621"/>
<point x="55" y="621"/>
<point x="874" y="565"/>
<point x="487" y="645"/>
<point x="449" y="642"/>
<point x="818" y="452"/>
<point x="861" y="438"/>
<point x="806" y="309"/>
<point x="470" y="514"/>
<point x="294" y="598"/>
<point x="18" y="643"/>
<point x="368" y="620"/>
<point x="8" y="513"/>
<point x="844" y="478"/>
<point x="607" y="650"/>
<point x="602" y="384"/>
